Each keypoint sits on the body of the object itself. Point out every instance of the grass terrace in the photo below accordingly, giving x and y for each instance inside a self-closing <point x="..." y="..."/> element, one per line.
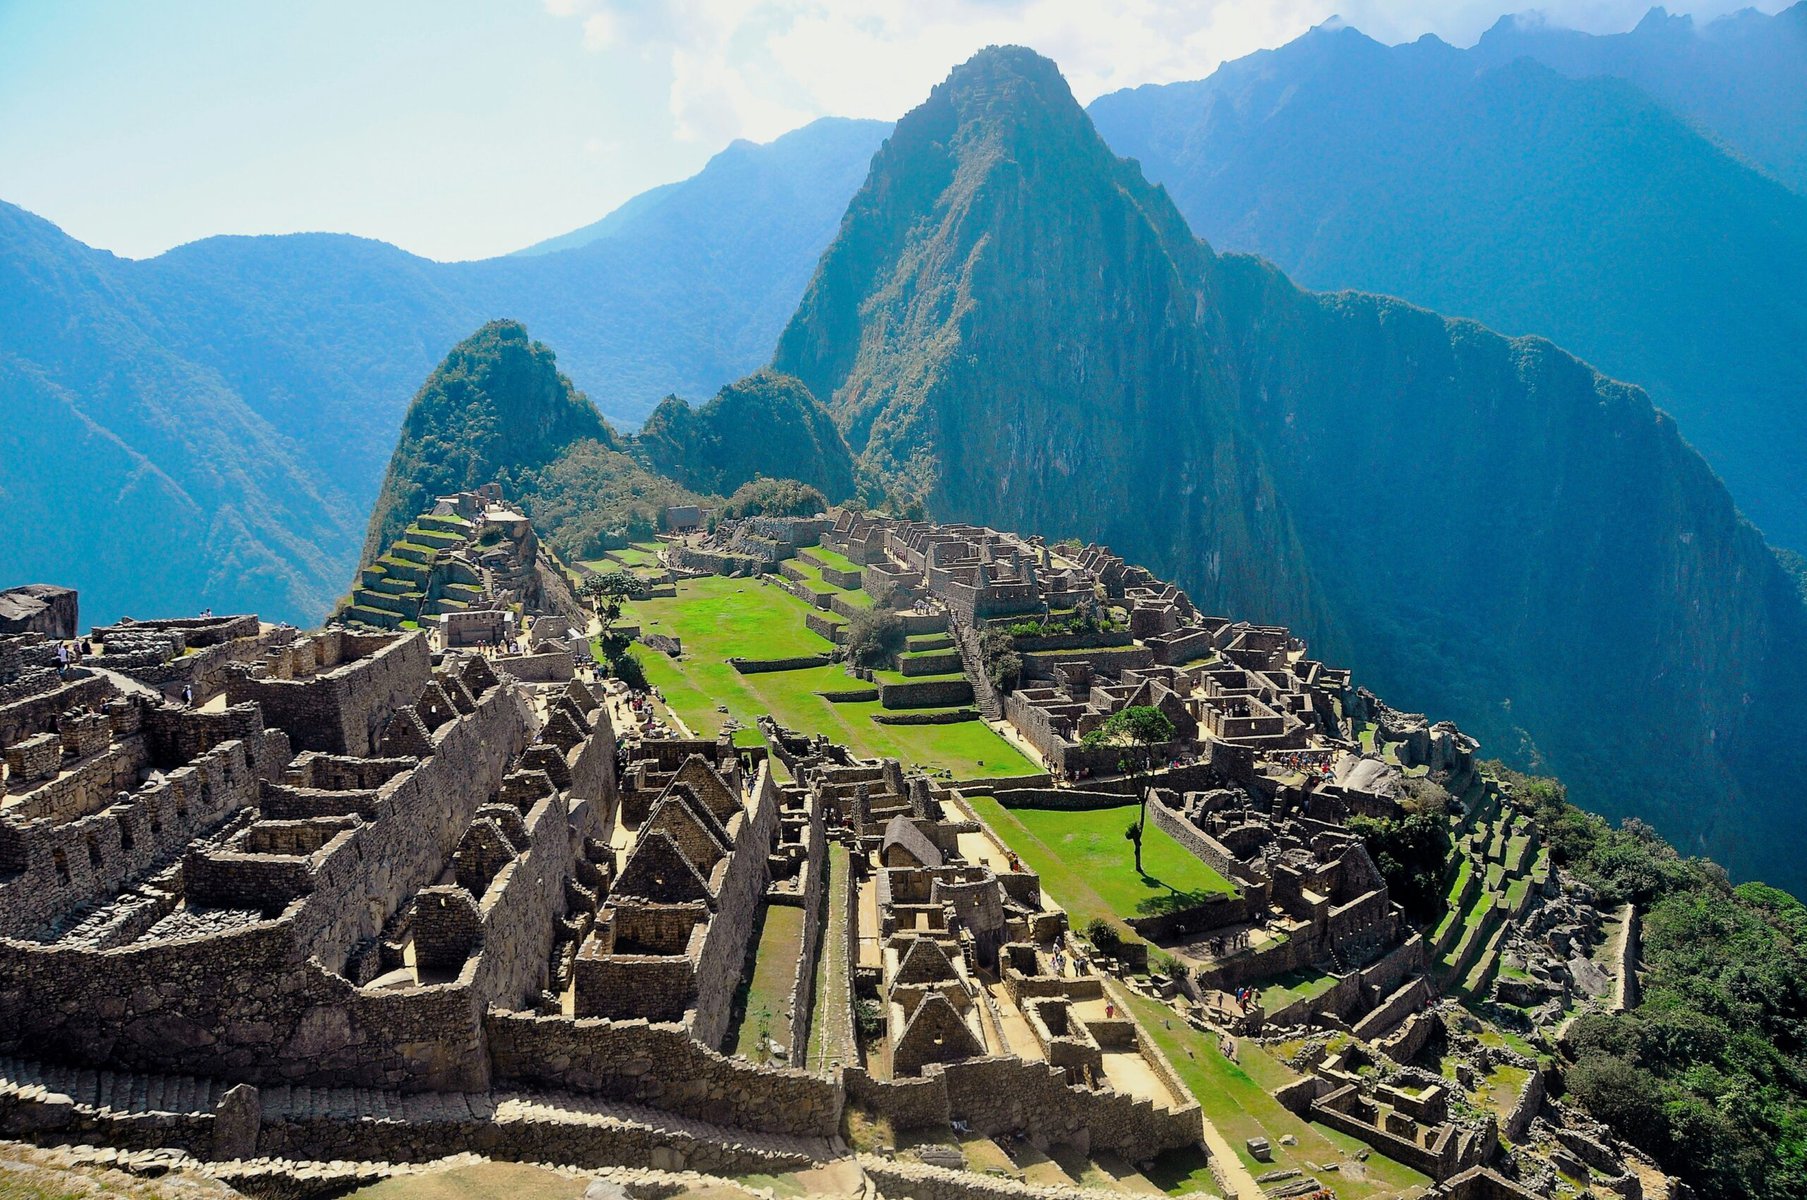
<point x="1236" y="1099"/>
<point x="719" y="618"/>
<point x="768" y="991"/>
<point x="1084" y="860"/>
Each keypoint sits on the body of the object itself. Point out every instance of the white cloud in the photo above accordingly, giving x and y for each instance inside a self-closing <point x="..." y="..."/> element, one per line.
<point x="756" y="68"/>
<point x="599" y="31"/>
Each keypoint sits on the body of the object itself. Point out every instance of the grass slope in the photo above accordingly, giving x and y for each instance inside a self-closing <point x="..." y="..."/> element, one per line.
<point x="719" y="618"/>
<point x="1084" y="859"/>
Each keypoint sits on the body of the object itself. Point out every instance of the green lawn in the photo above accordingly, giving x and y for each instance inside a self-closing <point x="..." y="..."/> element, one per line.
<point x="774" y="972"/>
<point x="1236" y="1099"/>
<point x="1303" y="984"/>
<point x="1086" y="862"/>
<point x="832" y="559"/>
<point x="717" y="618"/>
<point x="829" y="1024"/>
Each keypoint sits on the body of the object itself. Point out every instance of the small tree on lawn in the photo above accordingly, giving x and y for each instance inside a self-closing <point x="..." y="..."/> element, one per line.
<point x="1138" y="729"/>
<point x="609" y="593"/>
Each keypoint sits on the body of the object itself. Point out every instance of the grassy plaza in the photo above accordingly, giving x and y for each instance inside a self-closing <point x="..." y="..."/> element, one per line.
<point x="718" y="618"/>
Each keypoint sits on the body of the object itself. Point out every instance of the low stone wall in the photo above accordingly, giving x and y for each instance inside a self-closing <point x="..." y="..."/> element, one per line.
<point x="1219" y="910"/>
<point x="1631" y="992"/>
<point x="1202" y="845"/>
<point x="554" y="666"/>
<point x="956" y="717"/>
<point x="1009" y="1095"/>
<point x="1389" y="1013"/>
<point x="925" y="693"/>
<point x="824" y="626"/>
<point x="1063" y="799"/>
<point x="921" y="1181"/>
<point x="1530" y="1100"/>
<point x="930" y="662"/>
<point x="1111" y="660"/>
<point x="660" y="1066"/>
<point x="1111" y="639"/>
<point x="756" y="666"/>
<point x="907" y="1103"/>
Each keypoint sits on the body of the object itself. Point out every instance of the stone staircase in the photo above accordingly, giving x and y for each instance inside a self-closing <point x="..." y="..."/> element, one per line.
<point x="137" y="1110"/>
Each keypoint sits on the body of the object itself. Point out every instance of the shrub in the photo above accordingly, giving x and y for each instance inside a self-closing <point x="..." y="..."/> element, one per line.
<point x="1003" y="665"/>
<point x="875" y="637"/>
<point x="1102" y="934"/>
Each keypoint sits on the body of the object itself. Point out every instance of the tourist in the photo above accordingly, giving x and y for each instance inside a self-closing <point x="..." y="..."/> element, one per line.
<point x="188" y="695"/>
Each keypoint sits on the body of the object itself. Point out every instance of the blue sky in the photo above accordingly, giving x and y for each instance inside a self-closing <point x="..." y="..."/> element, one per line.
<point x="460" y="129"/>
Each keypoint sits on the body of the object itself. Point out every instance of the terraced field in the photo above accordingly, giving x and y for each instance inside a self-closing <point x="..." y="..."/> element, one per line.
<point x="718" y="618"/>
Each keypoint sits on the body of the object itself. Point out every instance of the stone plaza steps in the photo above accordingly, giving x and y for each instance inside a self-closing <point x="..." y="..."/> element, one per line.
<point x="350" y="1122"/>
<point x="120" y="1093"/>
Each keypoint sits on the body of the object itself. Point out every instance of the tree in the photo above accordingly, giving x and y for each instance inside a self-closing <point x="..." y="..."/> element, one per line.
<point x="875" y="637"/>
<point x="1138" y="728"/>
<point x="609" y="593"/>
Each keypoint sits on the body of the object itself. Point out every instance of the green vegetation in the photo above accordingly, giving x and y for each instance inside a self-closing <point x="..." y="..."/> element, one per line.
<point x="765" y="995"/>
<point x="1079" y="855"/>
<point x="719" y="618"/>
<point x="775" y="498"/>
<point x="1709" y="1073"/>
<point x="498" y="410"/>
<point x="1236" y="1098"/>
<point x="1410" y="852"/>
<point x="874" y="638"/>
<point x="1139" y="728"/>
<point x="766" y="425"/>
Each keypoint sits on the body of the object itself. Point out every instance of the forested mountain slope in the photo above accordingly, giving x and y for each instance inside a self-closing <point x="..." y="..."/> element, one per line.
<point x="1016" y="326"/>
<point x="1489" y="186"/>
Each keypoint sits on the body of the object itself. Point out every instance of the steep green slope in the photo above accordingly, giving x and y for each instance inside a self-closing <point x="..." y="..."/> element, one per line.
<point x="130" y="472"/>
<point x="764" y="425"/>
<point x="1017" y="325"/>
<point x="497" y="409"/>
<point x="1579" y="210"/>
<point x="1010" y="327"/>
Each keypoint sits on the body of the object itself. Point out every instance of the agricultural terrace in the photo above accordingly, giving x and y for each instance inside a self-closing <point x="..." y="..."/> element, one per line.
<point x="718" y="618"/>
<point x="1085" y="861"/>
<point x="1238" y="1101"/>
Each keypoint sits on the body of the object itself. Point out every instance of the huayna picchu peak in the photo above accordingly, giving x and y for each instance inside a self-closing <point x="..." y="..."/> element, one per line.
<point x="1004" y="693"/>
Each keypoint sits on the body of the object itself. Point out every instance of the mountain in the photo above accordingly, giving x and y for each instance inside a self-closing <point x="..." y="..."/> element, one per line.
<point x="230" y="404"/>
<point x="764" y="425"/>
<point x="498" y="409"/>
<point x="1740" y="77"/>
<point x="746" y="186"/>
<point x="1009" y="328"/>
<point x="1496" y="188"/>
<point x="1017" y="326"/>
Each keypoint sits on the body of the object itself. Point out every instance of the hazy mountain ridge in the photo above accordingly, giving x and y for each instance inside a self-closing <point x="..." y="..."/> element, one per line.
<point x="1579" y="209"/>
<point x="1487" y="528"/>
<point x="1738" y="77"/>
<point x="243" y="392"/>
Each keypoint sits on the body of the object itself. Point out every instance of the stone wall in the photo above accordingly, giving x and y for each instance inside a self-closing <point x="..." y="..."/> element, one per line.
<point x="1009" y="1095"/>
<point x="719" y="965"/>
<point x="755" y="666"/>
<point x="815" y="920"/>
<point x="37" y="714"/>
<point x="925" y="693"/>
<point x="62" y="866"/>
<point x="553" y="666"/>
<point x="658" y="1065"/>
<point x="341" y="710"/>
<point x="1202" y="845"/>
